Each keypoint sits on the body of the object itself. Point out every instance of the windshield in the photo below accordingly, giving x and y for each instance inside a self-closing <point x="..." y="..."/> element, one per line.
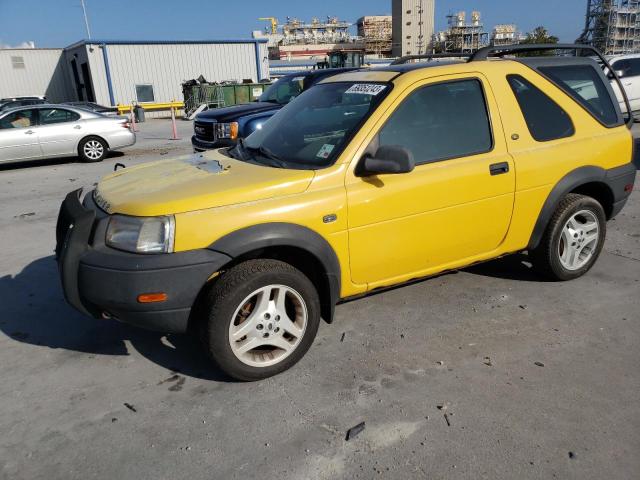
<point x="283" y="90"/>
<point x="312" y="131"/>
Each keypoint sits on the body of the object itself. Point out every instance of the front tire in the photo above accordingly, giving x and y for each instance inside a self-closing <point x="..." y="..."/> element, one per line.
<point x="260" y="318"/>
<point x="573" y="239"/>
<point x="92" y="149"/>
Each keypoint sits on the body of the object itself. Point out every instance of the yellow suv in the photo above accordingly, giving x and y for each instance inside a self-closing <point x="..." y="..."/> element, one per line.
<point x="369" y="179"/>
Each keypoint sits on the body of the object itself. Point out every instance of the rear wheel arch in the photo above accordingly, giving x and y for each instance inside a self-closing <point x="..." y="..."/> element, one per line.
<point x="299" y="246"/>
<point x="589" y="181"/>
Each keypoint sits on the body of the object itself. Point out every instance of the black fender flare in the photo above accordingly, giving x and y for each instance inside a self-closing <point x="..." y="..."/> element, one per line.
<point x="280" y="234"/>
<point x="572" y="180"/>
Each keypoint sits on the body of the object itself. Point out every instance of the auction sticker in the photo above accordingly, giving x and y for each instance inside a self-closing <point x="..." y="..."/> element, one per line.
<point x="366" y="88"/>
<point x="325" y="150"/>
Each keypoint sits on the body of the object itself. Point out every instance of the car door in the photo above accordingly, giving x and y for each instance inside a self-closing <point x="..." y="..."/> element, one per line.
<point x="18" y="136"/>
<point x="59" y="130"/>
<point x="454" y="207"/>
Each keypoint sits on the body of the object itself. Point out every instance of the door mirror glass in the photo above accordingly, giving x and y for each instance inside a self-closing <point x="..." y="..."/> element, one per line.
<point x="388" y="159"/>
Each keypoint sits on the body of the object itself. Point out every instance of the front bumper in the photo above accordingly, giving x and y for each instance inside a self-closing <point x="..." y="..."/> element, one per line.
<point x="201" y="145"/>
<point x="103" y="282"/>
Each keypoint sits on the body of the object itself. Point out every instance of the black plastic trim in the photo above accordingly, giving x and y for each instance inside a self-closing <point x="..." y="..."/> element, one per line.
<point x="615" y="179"/>
<point x="279" y="234"/>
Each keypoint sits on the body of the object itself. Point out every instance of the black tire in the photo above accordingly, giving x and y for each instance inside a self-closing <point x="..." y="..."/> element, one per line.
<point x="226" y="296"/>
<point x="84" y="145"/>
<point x="546" y="257"/>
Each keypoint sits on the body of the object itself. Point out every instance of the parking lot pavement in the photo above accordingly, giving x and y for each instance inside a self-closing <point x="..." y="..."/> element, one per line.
<point x="536" y="379"/>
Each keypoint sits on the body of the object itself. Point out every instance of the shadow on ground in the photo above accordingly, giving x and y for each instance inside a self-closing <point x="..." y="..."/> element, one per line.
<point x="512" y="267"/>
<point x="35" y="312"/>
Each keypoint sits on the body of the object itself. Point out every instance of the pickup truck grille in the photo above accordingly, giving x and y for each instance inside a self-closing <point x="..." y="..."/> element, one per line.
<point x="204" y="130"/>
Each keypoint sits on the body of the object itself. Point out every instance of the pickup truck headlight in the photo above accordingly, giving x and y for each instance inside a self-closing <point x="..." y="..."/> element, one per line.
<point x="226" y="130"/>
<point x="141" y="234"/>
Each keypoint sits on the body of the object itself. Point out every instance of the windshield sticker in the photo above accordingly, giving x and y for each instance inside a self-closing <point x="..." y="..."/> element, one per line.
<point x="366" y="88"/>
<point x="325" y="150"/>
<point x="297" y="79"/>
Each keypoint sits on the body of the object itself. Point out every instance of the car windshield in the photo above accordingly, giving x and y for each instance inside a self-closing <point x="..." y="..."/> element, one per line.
<point x="283" y="90"/>
<point x="311" y="131"/>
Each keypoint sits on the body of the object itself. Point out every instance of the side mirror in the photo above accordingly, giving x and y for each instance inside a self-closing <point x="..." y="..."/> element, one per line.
<point x="619" y="74"/>
<point x="388" y="159"/>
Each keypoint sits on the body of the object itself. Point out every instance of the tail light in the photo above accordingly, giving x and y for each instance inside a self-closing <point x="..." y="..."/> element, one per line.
<point x="126" y="125"/>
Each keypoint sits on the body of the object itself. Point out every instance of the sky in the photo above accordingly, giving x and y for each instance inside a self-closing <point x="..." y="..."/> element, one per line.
<point x="58" y="23"/>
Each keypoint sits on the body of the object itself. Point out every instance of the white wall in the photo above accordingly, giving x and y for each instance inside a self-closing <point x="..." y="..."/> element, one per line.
<point x="43" y="74"/>
<point x="166" y="66"/>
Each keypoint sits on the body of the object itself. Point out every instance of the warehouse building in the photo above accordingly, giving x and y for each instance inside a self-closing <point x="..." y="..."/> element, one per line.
<point x="121" y="72"/>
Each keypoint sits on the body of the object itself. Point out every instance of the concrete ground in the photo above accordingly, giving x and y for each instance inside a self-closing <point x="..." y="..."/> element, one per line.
<point x="489" y="372"/>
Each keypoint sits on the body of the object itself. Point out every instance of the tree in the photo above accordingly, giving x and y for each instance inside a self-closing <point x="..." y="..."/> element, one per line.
<point x="539" y="35"/>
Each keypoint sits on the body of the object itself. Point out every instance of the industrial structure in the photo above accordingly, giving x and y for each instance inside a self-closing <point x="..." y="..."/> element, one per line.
<point x="376" y="33"/>
<point x="462" y="36"/>
<point x="121" y="72"/>
<point x="413" y="26"/>
<point x="505" y="35"/>
<point x="297" y="39"/>
<point x="612" y="26"/>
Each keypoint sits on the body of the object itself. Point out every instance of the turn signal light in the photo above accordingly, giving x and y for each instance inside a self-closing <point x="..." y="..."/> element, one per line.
<point x="152" y="297"/>
<point x="233" y="133"/>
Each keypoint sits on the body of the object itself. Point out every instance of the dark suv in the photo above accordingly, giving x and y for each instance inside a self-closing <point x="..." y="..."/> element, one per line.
<point x="222" y="127"/>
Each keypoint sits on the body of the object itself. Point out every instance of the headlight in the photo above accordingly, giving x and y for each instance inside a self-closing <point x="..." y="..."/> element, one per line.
<point x="141" y="234"/>
<point x="226" y="130"/>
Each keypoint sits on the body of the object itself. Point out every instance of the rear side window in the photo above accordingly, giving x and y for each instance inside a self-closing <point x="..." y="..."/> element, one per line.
<point x="50" y="116"/>
<point x="545" y="119"/>
<point x="442" y="121"/>
<point x="584" y="84"/>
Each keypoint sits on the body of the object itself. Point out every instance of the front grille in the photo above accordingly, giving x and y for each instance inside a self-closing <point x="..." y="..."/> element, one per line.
<point x="204" y="130"/>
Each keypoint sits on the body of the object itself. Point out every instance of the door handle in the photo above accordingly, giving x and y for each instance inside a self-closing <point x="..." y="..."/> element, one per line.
<point x="499" y="168"/>
<point x="29" y="132"/>
<point x="78" y="127"/>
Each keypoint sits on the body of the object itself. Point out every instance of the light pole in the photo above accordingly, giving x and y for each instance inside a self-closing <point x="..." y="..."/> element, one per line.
<point x="86" y="20"/>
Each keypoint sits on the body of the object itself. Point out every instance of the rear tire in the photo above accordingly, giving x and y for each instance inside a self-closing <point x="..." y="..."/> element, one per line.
<point x="573" y="239"/>
<point x="92" y="149"/>
<point x="259" y="319"/>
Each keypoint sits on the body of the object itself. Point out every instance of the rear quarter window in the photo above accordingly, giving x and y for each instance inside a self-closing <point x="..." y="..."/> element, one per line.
<point x="545" y="119"/>
<point x="586" y="86"/>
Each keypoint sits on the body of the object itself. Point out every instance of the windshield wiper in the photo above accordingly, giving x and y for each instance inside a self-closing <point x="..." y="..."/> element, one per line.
<point x="275" y="160"/>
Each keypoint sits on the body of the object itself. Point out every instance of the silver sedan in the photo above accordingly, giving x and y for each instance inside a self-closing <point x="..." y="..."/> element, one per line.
<point x="47" y="131"/>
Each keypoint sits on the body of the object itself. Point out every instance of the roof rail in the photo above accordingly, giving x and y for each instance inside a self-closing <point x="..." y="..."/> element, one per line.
<point x="429" y="56"/>
<point x="484" y="53"/>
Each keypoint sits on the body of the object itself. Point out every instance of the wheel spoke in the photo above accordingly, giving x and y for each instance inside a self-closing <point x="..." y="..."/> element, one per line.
<point x="246" y="327"/>
<point x="288" y="326"/>
<point x="279" y="342"/>
<point x="249" y="344"/>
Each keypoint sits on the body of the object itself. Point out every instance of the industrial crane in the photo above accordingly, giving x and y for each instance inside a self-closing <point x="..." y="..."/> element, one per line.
<point x="274" y="23"/>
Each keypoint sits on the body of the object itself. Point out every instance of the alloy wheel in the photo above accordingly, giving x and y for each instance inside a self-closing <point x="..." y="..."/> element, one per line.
<point x="578" y="240"/>
<point x="268" y="325"/>
<point x="93" y="149"/>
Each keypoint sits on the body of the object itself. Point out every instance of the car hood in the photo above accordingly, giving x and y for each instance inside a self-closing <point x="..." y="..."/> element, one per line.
<point x="194" y="182"/>
<point x="230" y="114"/>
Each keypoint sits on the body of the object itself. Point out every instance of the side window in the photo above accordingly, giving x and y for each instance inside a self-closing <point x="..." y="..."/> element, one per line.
<point x="630" y="67"/>
<point x="584" y="84"/>
<point x="442" y="121"/>
<point x="545" y="119"/>
<point x="49" y="116"/>
<point x="19" y="119"/>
